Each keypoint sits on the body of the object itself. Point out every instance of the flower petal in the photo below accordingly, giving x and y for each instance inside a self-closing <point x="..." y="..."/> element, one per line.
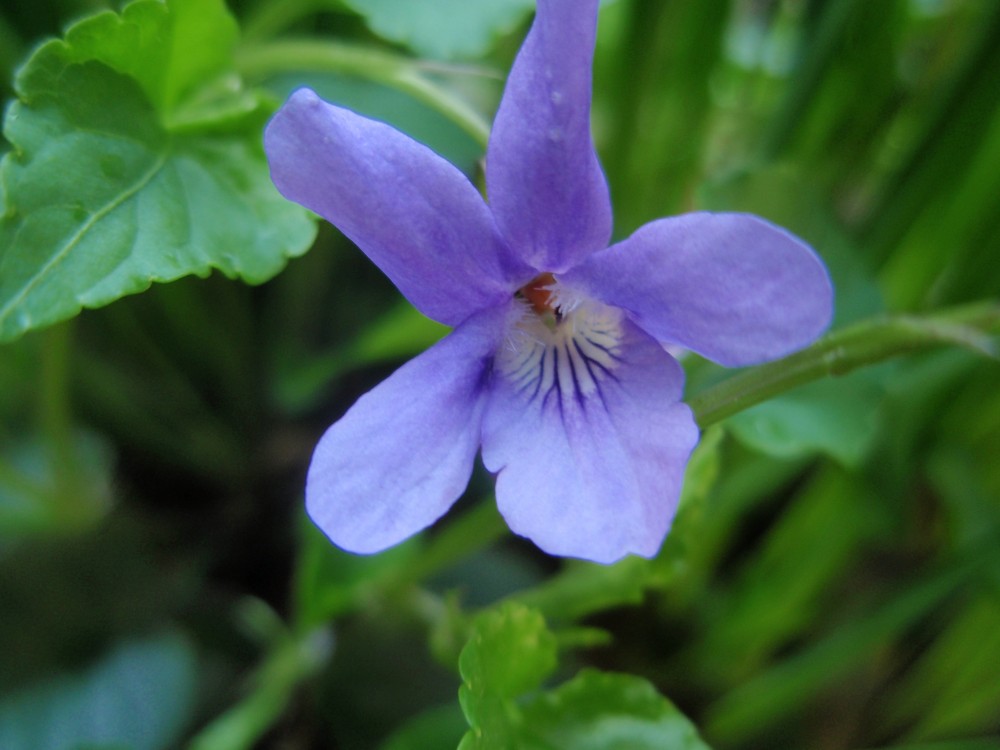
<point x="413" y="213"/>
<point x="732" y="287"/>
<point x="545" y="184"/>
<point x="590" y="446"/>
<point x="403" y="453"/>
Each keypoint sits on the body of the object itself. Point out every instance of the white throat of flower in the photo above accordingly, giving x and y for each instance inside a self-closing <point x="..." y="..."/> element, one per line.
<point x="559" y="344"/>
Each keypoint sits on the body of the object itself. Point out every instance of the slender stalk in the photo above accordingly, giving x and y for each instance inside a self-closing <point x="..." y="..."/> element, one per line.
<point x="844" y="351"/>
<point x="268" y="18"/>
<point x="297" y="55"/>
<point x="293" y="660"/>
<point x="67" y="499"/>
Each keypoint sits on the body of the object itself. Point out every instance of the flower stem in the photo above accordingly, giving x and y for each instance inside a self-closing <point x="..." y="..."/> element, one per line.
<point x="267" y="18"/>
<point x="291" y="661"/>
<point x="843" y="351"/>
<point x="261" y="60"/>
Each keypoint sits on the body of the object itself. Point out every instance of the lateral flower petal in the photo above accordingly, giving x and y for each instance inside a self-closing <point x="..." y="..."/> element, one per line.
<point x="404" y="452"/>
<point x="413" y="213"/>
<point x="545" y="185"/>
<point x="590" y="446"/>
<point x="732" y="287"/>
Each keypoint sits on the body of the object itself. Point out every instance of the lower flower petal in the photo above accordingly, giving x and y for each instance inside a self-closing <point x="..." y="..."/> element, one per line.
<point x="403" y="453"/>
<point x="732" y="287"/>
<point x="589" y="439"/>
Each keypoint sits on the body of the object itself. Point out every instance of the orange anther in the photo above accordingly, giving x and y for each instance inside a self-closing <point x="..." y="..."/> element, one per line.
<point x="537" y="294"/>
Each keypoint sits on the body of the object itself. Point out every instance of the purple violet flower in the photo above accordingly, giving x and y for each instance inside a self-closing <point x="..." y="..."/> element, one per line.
<point x="556" y="366"/>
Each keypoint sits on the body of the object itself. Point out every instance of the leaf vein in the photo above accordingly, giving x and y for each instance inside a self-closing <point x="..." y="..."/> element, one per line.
<point x="78" y="236"/>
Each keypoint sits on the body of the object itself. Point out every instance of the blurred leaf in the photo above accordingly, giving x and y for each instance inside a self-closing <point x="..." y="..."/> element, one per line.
<point x="600" y="711"/>
<point x="68" y="598"/>
<point x="985" y="744"/>
<point x="509" y="653"/>
<point x="400" y="333"/>
<point x="758" y="704"/>
<point x="330" y="582"/>
<point x="658" y="124"/>
<point x="947" y="253"/>
<point x="104" y="195"/>
<point x="400" y="108"/>
<point x="30" y="499"/>
<point x="445" y="29"/>
<point x="839" y="417"/>
<point x="291" y="660"/>
<point x="949" y="137"/>
<point x="782" y="590"/>
<point x="139" y="696"/>
<point x="583" y="588"/>
<point x="439" y="728"/>
<point x="953" y="689"/>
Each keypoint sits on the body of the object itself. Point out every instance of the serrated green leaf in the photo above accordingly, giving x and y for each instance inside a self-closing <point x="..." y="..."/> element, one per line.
<point x="140" y="697"/>
<point x="442" y="28"/>
<point x="602" y="711"/>
<point x="509" y="653"/>
<point x="170" y="48"/>
<point x="103" y="198"/>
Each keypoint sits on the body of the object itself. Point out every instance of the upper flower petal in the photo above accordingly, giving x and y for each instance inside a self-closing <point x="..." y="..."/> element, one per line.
<point x="732" y="287"/>
<point x="589" y="438"/>
<point x="403" y="453"/>
<point x="545" y="184"/>
<point x="412" y="212"/>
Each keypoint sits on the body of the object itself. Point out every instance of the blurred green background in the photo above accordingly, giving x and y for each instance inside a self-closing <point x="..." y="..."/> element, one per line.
<point x="833" y="580"/>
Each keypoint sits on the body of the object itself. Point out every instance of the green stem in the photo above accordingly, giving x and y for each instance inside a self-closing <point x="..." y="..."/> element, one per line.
<point x="268" y="18"/>
<point x="261" y="60"/>
<point x="56" y="423"/>
<point x="841" y="352"/>
<point x="273" y="685"/>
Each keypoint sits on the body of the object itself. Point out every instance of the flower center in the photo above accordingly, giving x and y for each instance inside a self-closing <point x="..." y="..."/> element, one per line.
<point x="539" y="292"/>
<point x="559" y="345"/>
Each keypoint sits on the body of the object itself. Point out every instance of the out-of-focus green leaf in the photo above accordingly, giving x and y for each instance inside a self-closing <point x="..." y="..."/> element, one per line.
<point x="330" y="582"/>
<point x="947" y="253"/>
<point x="30" y="498"/>
<point x="602" y="711"/>
<point x="782" y="590"/>
<point x="139" y="696"/>
<point x="758" y="704"/>
<point x="113" y="183"/>
<point x="954" y="690"/>
<point x="985" y="744"/>
<point x="509" y="653"/>
<point x="400" y="333"/>
<point x="657" y="122"/>
<point x="838" y="417"/>
<point x="948" y="137"/>
<point x="437" y="729"/>
<point x="584" y="587"/>
<point x="445" y="29"/>
<point x="401" y="109"/>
